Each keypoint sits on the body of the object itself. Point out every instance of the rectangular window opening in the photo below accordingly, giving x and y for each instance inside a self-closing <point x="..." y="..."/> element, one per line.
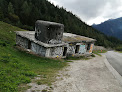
<point x="77" y="48"/>
<point x="88" y="47"/>
<point x="29" y="44"/>
<point x="65" y="51"/>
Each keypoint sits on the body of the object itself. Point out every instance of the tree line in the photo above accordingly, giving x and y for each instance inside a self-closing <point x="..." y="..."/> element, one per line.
<point x="24" y="13"/>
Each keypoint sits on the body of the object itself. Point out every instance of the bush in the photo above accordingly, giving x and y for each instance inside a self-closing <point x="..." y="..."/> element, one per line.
<point x="13" y="18"/>
<point x="119" y="48"/>
<point x="3" y="44"/>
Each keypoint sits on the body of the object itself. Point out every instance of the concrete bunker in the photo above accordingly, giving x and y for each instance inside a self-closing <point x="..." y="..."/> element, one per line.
<point x="49" y="32"/>
<point x="49" y="40"/>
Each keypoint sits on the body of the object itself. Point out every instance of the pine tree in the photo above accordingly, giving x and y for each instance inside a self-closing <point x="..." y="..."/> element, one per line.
<point x="25" y="13"/>
<point x="1" y="14"/>
<point x="10" y="8"/>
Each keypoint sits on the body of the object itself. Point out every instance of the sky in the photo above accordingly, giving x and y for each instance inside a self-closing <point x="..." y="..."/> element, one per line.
<point x="92" y="11"/>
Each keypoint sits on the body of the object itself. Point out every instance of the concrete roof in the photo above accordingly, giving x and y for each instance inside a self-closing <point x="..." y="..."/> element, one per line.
<point x="31" y="36"/>
<point x="70" y="38"/>
<point x="67" y="38"/>
<point x="47" y="23"/>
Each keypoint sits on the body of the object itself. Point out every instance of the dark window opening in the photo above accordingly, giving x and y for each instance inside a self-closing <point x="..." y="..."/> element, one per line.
<point x="59" y="34"/>
<point x="88" y="47"/>
<point x="77" y="48"/>
<point x="29" y="44"/>
<point x="65" y="51"/>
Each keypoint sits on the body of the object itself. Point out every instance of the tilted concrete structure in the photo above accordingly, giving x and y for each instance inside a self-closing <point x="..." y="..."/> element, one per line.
<point x="48" y="40"/>
<point x="49" y="32"/>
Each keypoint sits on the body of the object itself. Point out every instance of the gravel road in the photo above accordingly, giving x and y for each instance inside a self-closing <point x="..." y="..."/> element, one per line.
<point x="87" y="76"/>
<point x="83" y="76"/>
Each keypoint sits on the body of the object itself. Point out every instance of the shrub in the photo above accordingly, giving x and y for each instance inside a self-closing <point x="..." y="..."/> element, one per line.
<point x="119" y="48"/>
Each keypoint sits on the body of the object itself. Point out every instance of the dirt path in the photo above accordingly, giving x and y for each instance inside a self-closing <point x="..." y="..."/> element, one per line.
<point x="85" y="76"/>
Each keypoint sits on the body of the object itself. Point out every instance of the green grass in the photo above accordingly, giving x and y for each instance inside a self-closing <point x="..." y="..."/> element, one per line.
<point x="18" y="68"/>
<point x="76" y="58"/>
<point x="97" y="52"/>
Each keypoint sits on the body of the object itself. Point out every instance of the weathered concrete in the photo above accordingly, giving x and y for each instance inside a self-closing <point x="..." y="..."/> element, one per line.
<point x="23" y="42"/>
<point x="30" y="35"/>
<point x="71" y="50"/>
<point x="71" y="38"/>
<point x="48" y="40"/>
<point x="49" y="32"/>
<point x="40" y="50"/>
<point x="27" y="40"/>
<point x="56" y="52"/>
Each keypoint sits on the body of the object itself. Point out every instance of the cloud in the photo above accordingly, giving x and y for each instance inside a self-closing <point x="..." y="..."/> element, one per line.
<point x="92" y="11"/>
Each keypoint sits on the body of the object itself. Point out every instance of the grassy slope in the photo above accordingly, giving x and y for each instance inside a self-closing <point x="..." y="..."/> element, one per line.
<point x="18" y="67"/>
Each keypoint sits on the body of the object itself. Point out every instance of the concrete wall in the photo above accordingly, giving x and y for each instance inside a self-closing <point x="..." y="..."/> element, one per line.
<point x="71" y="49"/>
<point x="23" y="42"/>
<point x="47" y="52"/>
<point x="49" y="32"/>
<point x="91" y="47"/>
<point x="38" y="49"/>
<point x="82" y="49"/>
<point x="56" y="52"/>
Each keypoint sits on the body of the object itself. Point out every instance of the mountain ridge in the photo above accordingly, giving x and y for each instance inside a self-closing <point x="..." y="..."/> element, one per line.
<point x="111" y="27"/>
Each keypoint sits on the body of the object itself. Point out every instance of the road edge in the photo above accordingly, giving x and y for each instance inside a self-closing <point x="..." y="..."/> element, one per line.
<point x="113" y="71"/>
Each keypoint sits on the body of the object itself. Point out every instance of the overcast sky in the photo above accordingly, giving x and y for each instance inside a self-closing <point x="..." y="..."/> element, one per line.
<point x="92" y="11"/>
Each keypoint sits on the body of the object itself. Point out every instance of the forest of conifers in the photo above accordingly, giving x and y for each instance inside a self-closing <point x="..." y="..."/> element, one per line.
<point x="24" y="13"/>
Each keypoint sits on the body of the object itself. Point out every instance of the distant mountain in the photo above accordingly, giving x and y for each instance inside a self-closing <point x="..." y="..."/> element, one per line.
<point x="112" y="27"/>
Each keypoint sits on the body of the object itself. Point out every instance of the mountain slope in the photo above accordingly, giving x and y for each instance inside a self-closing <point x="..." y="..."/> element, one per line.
<point x="18" y="67"/>
<point x="111" y="27"/>
<point x="24" y="13"/>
